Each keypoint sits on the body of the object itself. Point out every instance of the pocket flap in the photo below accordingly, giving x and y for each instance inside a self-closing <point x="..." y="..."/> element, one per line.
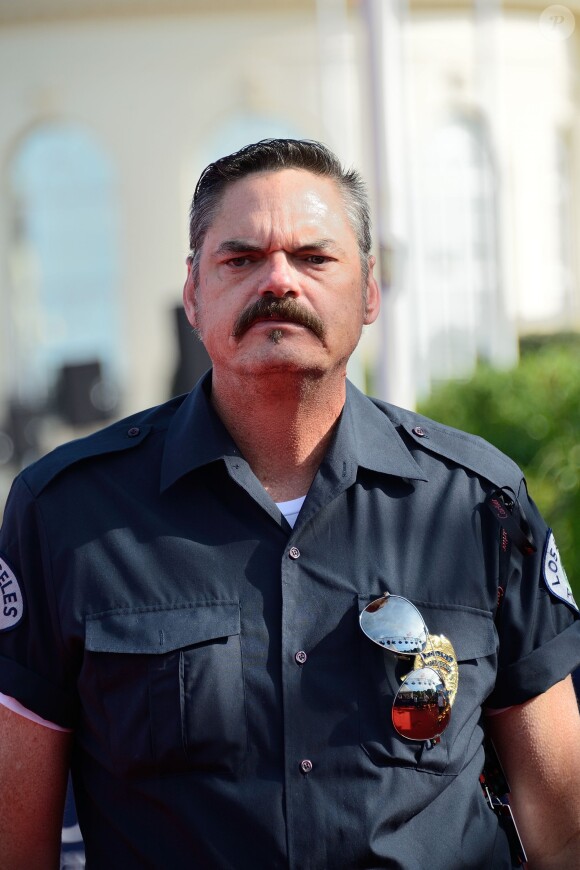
<point x="470" y="631"/>
<point x="161" y="630"/>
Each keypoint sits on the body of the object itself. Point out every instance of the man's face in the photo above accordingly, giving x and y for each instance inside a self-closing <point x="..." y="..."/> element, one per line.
<point x="280" y="286"/>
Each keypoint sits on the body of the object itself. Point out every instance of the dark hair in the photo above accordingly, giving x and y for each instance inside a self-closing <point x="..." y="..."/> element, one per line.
<point x="271" y="155"/>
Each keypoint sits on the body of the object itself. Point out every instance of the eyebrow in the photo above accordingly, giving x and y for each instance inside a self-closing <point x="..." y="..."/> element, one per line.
<point x="234" y="246"/>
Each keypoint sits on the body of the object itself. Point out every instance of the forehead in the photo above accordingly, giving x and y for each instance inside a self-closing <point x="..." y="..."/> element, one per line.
<point x="288" y="201"/>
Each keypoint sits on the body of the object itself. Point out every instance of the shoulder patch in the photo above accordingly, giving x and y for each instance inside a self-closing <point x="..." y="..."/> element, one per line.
<point x="11" y="598"/>
<point x="554" y="574"/>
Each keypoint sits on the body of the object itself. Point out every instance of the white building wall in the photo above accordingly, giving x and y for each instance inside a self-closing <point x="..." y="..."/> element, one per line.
<point x="539" y="112"/>
<point x="517" y="86"/>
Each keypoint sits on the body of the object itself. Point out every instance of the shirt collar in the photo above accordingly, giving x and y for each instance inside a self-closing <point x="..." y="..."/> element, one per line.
<point x="366" y="434"/>
<point x="196" y="436"/>
<point x="364" y="437"/>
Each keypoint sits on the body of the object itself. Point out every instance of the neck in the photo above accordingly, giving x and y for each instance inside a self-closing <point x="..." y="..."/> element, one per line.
<point x="282" y="426"/>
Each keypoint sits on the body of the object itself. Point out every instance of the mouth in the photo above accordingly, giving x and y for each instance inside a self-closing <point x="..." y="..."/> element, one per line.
<point x="275" y="328"/>
<point x="274" y="322"/>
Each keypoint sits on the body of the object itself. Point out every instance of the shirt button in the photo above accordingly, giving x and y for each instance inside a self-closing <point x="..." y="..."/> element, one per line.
<point x="133" y="431"/>
<point x="300" y="656"/>
<point x="306" y="766"/>
<point x="294" y="553"/>
<point x="420" y="432"/>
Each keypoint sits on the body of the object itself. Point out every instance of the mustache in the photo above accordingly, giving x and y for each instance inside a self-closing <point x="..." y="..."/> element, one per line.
<point x="278" y="309"/>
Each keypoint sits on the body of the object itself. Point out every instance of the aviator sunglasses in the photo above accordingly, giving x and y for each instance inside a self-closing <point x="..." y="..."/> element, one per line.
<point x="422" y="706"/>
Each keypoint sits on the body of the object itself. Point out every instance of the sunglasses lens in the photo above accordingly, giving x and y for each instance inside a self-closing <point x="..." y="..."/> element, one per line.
<point x="395" y="624"/>
<point x="421" y="709"/>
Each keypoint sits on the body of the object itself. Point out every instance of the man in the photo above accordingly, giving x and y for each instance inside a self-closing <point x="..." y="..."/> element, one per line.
<point x="224" y="708"/>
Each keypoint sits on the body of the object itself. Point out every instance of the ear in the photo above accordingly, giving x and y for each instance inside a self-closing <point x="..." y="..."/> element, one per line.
<point x="373" y="295"/>
<point x="189" y="295"/>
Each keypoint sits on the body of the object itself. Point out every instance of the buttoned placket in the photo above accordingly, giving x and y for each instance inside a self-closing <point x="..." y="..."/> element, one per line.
<point x="298" y="761"/>
<point x="300" y="756"/>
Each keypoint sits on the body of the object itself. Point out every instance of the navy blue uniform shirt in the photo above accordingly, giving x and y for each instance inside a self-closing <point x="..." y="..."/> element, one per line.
<point x="229" y="712"/>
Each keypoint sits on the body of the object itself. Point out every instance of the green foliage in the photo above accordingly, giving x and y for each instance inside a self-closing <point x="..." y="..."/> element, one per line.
<point x="532" y="413"/>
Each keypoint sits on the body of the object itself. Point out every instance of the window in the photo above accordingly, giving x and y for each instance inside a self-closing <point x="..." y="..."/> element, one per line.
<point x="63" y="293"/>
<point x="459" y="268"/>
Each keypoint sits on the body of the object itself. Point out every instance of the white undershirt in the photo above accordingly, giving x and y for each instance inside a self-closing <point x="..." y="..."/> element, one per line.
<point x="290" y="510"/>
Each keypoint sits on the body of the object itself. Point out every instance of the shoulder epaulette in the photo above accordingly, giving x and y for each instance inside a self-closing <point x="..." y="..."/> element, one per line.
<point x="462" y="448"/>
<point x="123" y="435"/>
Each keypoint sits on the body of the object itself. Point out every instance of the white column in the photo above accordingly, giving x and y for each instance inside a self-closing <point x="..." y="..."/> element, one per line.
<point x="340" y="108"/>
<point x="498" y="325"/>
<point x="385" y="21"/>
<point x="336" y="66"/>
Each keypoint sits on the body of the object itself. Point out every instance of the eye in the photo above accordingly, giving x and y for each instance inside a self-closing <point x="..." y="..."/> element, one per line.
<point x="236" y="262"/>
<point x="317" y="259"/>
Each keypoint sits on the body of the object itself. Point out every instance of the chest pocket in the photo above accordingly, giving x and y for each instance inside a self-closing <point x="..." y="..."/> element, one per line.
<point x="171" y="687"/>
<point x="472" y="634"/>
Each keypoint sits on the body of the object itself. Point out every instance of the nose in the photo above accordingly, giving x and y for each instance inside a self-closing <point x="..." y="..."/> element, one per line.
<point x="279" y="277"/>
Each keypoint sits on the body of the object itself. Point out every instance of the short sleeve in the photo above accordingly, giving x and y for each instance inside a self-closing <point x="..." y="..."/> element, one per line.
<point x="34" y="667"/>
<point x="538" y="626"/>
